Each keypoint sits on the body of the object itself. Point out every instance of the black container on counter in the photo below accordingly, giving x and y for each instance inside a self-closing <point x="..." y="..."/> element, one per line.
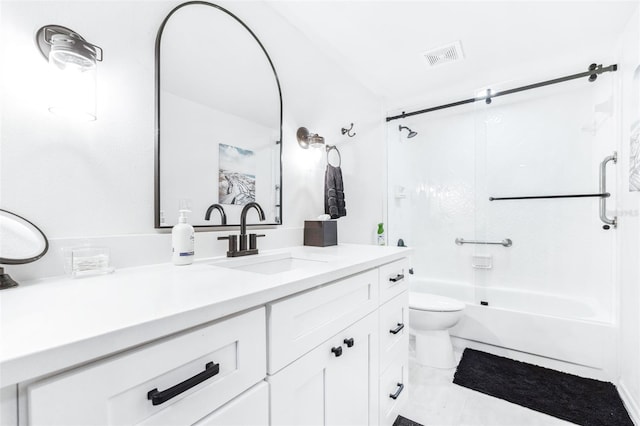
<point x="320" y="233"/>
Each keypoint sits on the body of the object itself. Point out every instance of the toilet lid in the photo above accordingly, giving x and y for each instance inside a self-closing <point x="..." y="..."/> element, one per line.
<point x="433" y="302"/>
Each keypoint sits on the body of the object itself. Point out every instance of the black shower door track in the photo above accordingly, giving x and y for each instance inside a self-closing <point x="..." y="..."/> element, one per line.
<point x="593" y="72"/>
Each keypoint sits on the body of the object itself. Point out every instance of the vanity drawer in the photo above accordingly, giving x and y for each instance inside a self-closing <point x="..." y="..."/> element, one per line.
<point x="213" y="363"/>
<point x="394" y="329"/>
<point x="300" y="323"/>
<point x="393" y="383"/>
<point x="394" y="279"/>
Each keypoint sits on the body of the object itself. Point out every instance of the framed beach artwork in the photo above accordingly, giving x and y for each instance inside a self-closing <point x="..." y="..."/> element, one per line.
<point x="634" y="148"/>
<point x="237" y="175"/>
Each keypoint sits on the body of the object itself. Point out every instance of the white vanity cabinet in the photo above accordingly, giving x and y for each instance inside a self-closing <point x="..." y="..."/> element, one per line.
<point x="333" y="353"/>
<point x="356" y="376"/>
<point x="178" y="381"/>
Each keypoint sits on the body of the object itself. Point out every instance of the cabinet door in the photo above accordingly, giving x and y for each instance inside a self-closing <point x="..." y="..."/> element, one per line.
<point x="353" y="377"/>
<point x="324" y="389"/>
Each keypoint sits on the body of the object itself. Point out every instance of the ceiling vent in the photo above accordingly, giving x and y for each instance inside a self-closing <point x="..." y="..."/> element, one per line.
<point x="444" y="54"/>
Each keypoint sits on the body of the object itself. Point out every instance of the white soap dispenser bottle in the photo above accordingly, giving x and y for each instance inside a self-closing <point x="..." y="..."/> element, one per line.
<point x="182" y="241"/>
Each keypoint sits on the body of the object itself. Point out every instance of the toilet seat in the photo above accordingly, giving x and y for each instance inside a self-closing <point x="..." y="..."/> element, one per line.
<point x="434" y="303"/>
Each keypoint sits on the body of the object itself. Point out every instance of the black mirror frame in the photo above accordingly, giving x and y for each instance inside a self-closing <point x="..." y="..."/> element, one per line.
<point x="157" y="118"/>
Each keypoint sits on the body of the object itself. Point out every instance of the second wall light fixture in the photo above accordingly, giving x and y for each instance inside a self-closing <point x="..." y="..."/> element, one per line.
<point x="72" y="71"/>
<point x="307" y="139"/>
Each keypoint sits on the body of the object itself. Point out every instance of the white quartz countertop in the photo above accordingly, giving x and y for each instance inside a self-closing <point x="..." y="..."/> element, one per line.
<point x="53" y="324"/>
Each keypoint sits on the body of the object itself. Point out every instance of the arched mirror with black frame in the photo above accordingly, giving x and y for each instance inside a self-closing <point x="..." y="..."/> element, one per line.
<point x="218" y="119"/>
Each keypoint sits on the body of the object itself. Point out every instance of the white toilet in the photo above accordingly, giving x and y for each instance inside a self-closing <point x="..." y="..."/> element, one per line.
<point x="430" y="317"/>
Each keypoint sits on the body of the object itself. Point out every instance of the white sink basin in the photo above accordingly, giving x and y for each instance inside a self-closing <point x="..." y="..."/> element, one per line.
<point x="271" y="264"/>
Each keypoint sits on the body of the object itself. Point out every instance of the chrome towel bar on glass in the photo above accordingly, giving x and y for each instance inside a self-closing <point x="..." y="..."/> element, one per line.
<point x="506" y="242"/>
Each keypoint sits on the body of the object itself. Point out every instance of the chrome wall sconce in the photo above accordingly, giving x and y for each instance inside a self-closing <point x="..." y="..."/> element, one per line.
<point x="307" y="139"/>
<point x="72" y="70"/>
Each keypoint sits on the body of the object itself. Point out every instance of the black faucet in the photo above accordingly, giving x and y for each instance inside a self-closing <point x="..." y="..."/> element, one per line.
<point x="241" y="249"/>
<point x="218" y="207"/>
<point x="253" y="244"/>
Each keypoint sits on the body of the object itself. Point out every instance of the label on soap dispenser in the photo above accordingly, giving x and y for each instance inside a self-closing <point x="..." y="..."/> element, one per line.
<point x="190" y="248"/>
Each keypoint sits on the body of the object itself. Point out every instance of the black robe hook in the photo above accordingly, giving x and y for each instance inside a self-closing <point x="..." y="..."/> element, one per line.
<point x="348" y="131"/>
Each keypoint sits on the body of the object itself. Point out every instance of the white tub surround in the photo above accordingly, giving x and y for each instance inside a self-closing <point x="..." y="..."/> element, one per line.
<point x="166" y="322"/>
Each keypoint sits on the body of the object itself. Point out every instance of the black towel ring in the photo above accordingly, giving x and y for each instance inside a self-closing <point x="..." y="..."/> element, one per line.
<point x="332" y="148"/>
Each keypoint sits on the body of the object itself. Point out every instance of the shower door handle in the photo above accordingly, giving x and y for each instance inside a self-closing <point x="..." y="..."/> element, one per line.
<point x="603" y="189"/>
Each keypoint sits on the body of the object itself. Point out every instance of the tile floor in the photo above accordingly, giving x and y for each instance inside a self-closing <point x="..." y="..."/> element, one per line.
<point x="435" y="401"/>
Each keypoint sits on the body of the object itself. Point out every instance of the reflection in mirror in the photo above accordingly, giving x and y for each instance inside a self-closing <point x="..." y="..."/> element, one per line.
<point x="219" y="112"/>
<point x="20" y="242"/>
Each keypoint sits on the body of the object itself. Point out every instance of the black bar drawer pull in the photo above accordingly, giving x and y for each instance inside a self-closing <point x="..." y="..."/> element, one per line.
<point x="158" y="397"/>
<point x="337" y="351"/>
<point x="397" y="278"/>
<point x="397" y="329"/>
<point x="398" y="392"/>
<point x="349" y="342"/>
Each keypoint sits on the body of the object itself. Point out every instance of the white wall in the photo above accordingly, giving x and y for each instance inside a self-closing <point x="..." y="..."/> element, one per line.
<point x="95" y="180"/>
<point x="629" y="222"/>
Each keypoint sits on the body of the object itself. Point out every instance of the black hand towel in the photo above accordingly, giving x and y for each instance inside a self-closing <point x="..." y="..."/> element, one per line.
<point x="334" y="204"/>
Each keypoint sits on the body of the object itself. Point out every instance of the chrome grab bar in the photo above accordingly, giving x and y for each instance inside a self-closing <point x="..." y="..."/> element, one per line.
<point x="603" y="189"/>
<point x="506" y="242"/>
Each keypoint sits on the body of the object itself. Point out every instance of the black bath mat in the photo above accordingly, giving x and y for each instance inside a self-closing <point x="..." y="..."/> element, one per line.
<point x="583" y="401"/>
<point x="403" y="421"/>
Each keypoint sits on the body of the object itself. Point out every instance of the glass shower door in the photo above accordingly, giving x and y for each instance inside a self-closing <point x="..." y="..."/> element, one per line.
<point x="544" y="142"/>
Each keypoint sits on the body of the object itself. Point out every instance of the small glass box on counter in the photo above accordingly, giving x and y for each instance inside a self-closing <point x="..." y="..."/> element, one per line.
<point x="83" y="261"/>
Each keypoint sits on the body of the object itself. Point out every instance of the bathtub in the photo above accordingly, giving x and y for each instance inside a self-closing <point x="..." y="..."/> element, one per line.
<point x="546" y="326"/>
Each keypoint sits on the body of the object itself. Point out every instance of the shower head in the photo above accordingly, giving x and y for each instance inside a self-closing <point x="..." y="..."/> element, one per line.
<point x="411" y="132"/>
